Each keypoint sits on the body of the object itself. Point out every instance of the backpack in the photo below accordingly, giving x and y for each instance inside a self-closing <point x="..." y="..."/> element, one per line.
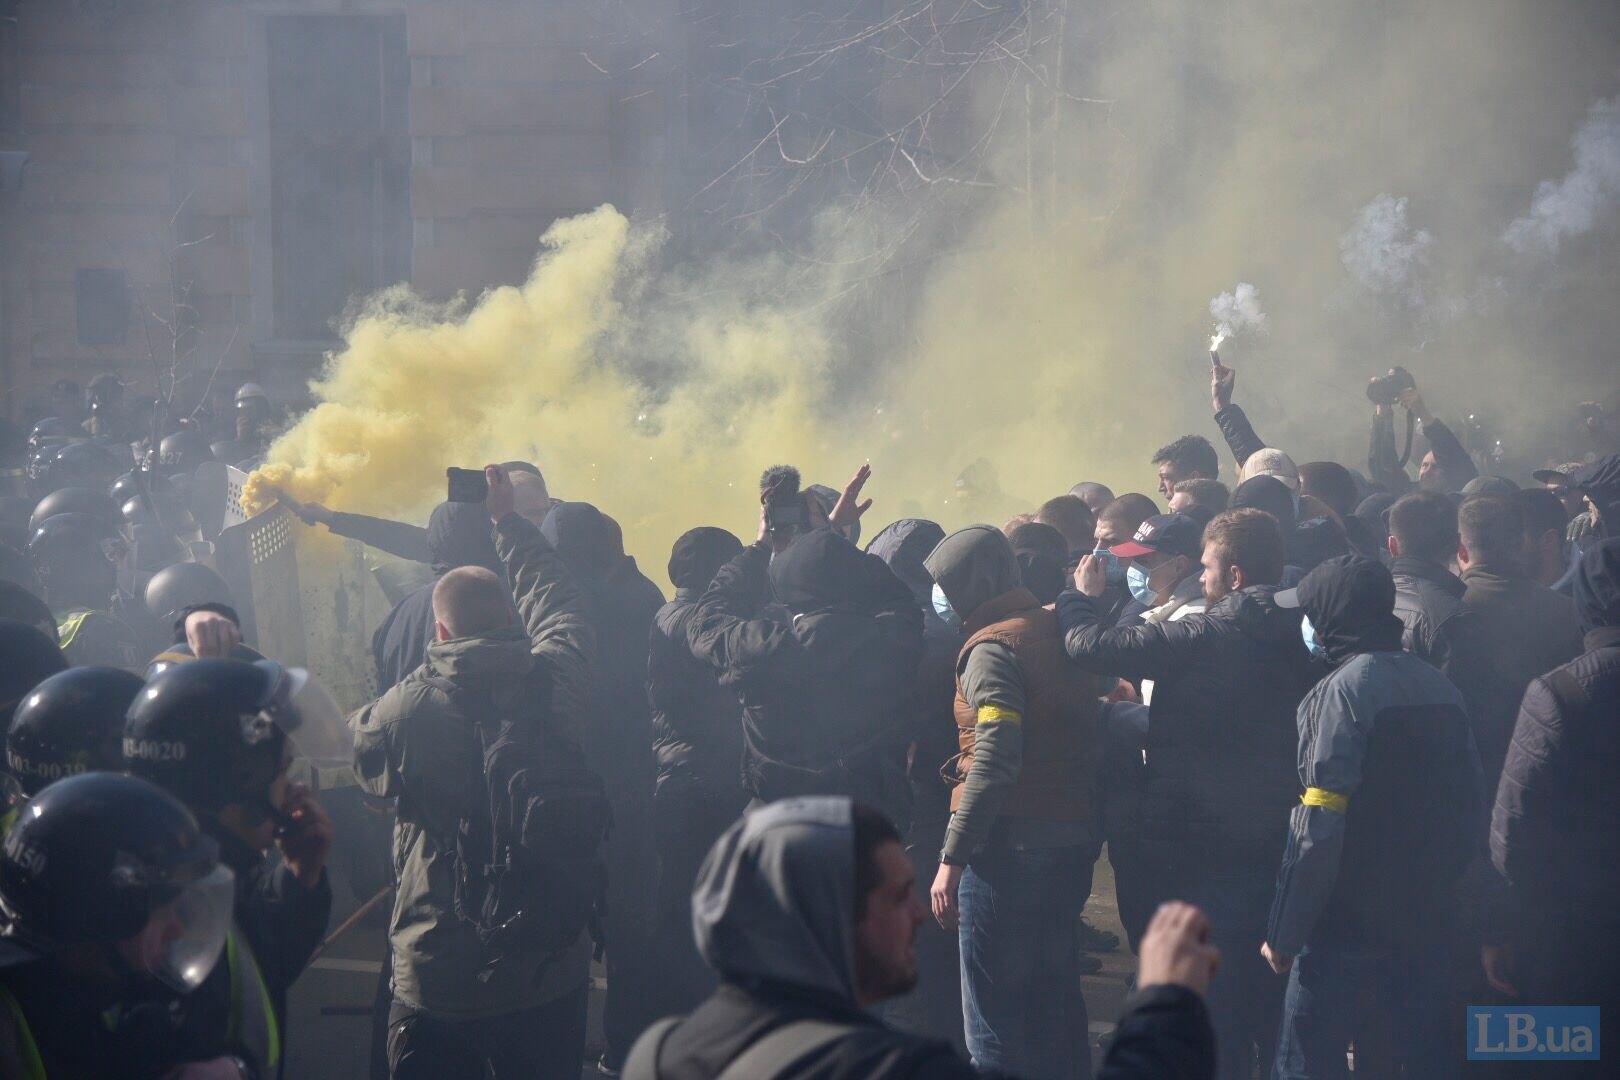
<point x="527" y="856"/>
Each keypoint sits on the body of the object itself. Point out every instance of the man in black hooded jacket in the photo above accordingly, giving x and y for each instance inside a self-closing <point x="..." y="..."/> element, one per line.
<point x="620" y="604"/>
<point x="935" y="1007"/>
<point x="697" y="740"/>
<point x="1388" y="821"/>
<point x="1221" y="747"/>
<point x="805" y="909"/>
<point x="826" y="695"/>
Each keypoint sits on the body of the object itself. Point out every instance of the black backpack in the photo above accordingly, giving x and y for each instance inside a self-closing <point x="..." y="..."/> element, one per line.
<point x="529" y="871"/>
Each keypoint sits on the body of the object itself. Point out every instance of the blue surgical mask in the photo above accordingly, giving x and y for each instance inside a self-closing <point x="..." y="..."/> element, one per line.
<point x="1137" y="579"/>
<point x="1308" y="633"/>
<point x="1113" y="566"/>
<point x="942" y="608"/>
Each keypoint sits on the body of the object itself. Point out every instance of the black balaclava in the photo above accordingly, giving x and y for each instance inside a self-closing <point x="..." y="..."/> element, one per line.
<point x="1350" y="601"/>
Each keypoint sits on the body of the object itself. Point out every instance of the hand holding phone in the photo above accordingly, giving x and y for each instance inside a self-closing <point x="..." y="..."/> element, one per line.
<point x="467" y="485"/>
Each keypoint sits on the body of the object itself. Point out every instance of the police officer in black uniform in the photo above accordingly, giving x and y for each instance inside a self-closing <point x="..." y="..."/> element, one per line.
<point x="255" y="417"/>
<point x="71" y="723"/>
<point x="30" y="659"/>
<point x="215" y="734"/>
<point x="114" y="906"/>
<point x="75" y="558"/>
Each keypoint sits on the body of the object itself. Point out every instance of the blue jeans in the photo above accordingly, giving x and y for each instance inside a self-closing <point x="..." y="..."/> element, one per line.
<point x="1022" y="1010"/>
<point x="1395" y="1005"/>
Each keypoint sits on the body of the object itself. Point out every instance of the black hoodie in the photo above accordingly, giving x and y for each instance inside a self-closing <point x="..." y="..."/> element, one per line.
<point x="825" y="696"/>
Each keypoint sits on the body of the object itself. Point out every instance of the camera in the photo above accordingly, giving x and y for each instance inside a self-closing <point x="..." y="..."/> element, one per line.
<point x="785" y="506"/>
<point x="1386" y="389"/>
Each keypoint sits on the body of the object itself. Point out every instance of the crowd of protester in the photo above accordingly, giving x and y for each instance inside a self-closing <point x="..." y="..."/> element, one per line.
<point x="1348" y="739"/>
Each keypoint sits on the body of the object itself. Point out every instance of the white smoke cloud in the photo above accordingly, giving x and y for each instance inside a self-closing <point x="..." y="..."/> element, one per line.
<point x="1384" y="254"/>
<point x="1569" y="206"/>
<point x="1235" y="312"/>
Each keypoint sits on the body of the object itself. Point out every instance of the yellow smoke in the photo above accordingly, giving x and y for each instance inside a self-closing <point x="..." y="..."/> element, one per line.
<point x="528" y="372"/>
<point x="1061" y="333"/>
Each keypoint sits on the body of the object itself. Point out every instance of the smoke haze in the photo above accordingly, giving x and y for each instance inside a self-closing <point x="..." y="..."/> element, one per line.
<point x="1050" y="316"/>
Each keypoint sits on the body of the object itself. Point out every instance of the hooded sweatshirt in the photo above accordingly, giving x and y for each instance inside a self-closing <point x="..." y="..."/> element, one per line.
<point x="774" y="914"/>
<point x="697" y="723"/>
<point x="620" y="604"/>
<point x="904" y="545"/>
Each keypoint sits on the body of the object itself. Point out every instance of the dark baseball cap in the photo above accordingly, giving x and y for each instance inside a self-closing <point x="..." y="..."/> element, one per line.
<point x="1560" y="475"/>
<point x="1344" y="585"/>
<point x="1173" y="534"/>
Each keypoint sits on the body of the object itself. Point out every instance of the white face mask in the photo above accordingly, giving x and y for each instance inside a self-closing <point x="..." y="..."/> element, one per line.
<point x="942" y="608"/>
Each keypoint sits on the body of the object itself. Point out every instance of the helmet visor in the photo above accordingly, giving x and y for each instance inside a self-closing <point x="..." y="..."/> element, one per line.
<point x="196" y="923"/>
<point x="306" y="711"/>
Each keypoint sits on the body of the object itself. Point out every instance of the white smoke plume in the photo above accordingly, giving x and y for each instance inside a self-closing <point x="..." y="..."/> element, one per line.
<point x="1384" y="254"/>
<point x="1235" y="312"/>
<point x="1569" y="206"/>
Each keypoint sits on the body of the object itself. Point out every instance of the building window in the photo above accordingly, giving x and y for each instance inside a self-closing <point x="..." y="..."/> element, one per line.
<point x="102" y="302"/>
<point x="340" y="161"/>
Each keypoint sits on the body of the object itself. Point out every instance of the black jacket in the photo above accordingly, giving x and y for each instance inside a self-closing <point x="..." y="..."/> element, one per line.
<point x="696" y="722"/>
<point x="1441" y="629"/>
<point x="826" y="695"/>
<point x="620" y="604"/>
<point x="1221" y="742"/>
<point x="903" y="546"/>
<point x="1239" y="433"/>
<point x="1165" y="1034"/>
<point x="1555" y="832"/>
<point x="1528" y="629"/>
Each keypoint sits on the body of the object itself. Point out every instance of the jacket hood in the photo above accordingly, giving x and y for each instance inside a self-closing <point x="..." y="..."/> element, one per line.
<point x="1597" y="587"/>
<point x="699" y="554"/>
<point x="904" y="545"/>
<point x="489" y="661"/>
<point x="820" y="571"/>
<point x="973" y="566"/>
<point x="459" y="534"/>
<point x="1350" y="601"/>
<point x="775" y="897"/>
<point x="584" y="537"/>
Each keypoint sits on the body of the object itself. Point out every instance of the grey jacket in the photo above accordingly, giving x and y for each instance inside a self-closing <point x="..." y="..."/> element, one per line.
<point x="1391" y="811"/>
<point x="413" y="744"/>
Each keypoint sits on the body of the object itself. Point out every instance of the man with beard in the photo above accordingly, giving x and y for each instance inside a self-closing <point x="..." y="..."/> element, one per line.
<point x="806" y="910"/>
<point x="1221" y="744"/>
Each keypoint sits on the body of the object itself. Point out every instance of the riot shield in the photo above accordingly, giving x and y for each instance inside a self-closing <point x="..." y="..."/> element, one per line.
<point x="257" y="560"/>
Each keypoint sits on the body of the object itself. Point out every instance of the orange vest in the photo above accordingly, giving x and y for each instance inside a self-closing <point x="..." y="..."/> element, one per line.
<point x="1062" y="722"/>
